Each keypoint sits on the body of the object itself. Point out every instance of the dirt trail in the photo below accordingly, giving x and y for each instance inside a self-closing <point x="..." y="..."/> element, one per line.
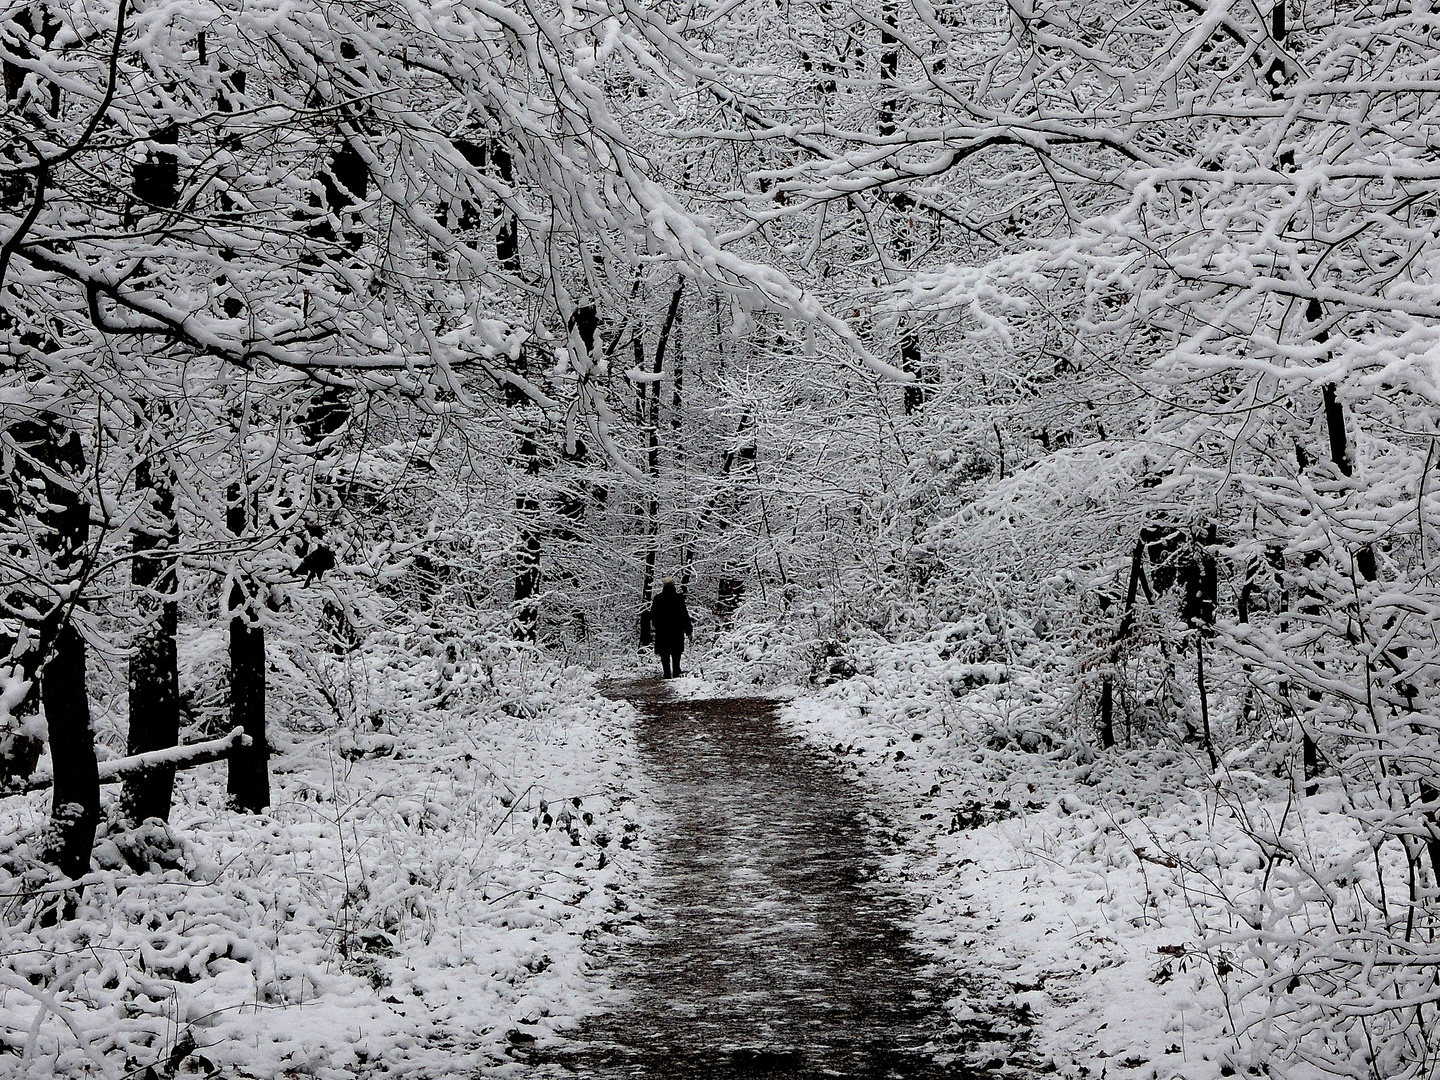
<point x="773" y="949"/>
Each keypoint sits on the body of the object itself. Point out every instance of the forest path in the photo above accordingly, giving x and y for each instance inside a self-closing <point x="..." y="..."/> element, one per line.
<point x="773" y="949"/>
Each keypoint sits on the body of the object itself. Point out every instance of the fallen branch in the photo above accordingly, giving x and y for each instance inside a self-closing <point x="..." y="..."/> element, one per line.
<point x="175" y="757"/>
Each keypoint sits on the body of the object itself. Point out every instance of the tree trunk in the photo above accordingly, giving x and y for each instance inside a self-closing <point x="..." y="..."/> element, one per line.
<point x="1107" y="711"/>
<point x="154" y="681"/>
<point x="677" y="394"/>
<point x="1204" y="693"/>
<point x="1243" y="604"/>
<point x="1310" y="759"/>
<point x="249" y="780"/>
<point x="889" y="68"/>
<point x="1127" y="619"/>
<point x="232" y="83"/>
<point x="248" y="784"/>
<point x="1309" y="604"/>
<point x="64" y="519"/>
<point x="527" y="569"/>
<point x="177" y="757"/>
<point x="154" y="677"/>
<point x="507" y="235"/>
<point x="916" y="393"/>
<point x="75" y="805"/>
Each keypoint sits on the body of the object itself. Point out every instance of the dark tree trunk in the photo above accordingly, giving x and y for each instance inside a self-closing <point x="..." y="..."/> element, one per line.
<point x="1335" y="428"/>
<point x="1243" y="603"/>
<point x="154" y="677"/>
<point x="1204" y="693"/>
<point x="154" y="681"/>
<point x="1369" y="571"/>
<point x="889" y="68"/>
<point x="637" y="347"/>
<point x="916" y="393"/>
<point x="495" y="156"/>
<point x="75" y="805"/>
<point x="248" y="784"/>
<point x="1275" y="557"/>
<point x="1201" y="578"/>
<point x="1340" y="457"/>
<point x="677" y="394"/>
<point x="345" y="183"/>
<point x="573" y="500"/>
<point x="647" y="583"/>
<point x="157" y="178"/>
<point x="64" y="518"/>
<point x="507" y="233"/>
<point x="1277" y="74"/>
<point x="1127" y="619"/>
<point x="1311" y="760"/>
<point x="527" y="562"/>
<point x="1309" y="602"/>
<point x="1107" y="712"/>
<point x="232" y="85"/>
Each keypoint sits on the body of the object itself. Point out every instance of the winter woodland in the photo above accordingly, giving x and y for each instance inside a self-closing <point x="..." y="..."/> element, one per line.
<point x="1045" y="392"/>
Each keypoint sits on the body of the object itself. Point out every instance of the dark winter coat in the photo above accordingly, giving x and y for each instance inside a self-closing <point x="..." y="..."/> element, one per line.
<point x="670" y="621"/>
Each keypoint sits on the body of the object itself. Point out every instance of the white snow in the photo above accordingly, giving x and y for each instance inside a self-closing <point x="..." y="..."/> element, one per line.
<point x="417" y="900"/>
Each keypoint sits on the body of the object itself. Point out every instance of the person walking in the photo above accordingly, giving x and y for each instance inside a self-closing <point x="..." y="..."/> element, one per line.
<point x="671" y="625"/>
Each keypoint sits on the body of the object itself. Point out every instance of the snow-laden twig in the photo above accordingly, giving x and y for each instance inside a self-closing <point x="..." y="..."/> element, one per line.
<point x="47" y="1003"/>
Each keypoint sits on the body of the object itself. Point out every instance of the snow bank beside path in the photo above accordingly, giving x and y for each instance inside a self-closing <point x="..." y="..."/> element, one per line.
<point x="417" y="901"/>
<point x="1100" y="894"/>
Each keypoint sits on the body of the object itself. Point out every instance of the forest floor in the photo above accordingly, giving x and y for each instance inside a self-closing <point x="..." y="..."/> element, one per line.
<point x="776" y="941"/>
<point x="419" y="900"/>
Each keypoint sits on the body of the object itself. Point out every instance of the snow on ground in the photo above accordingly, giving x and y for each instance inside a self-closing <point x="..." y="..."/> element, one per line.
<point x="418" y="900"/>
<point x="1110" y="898"/>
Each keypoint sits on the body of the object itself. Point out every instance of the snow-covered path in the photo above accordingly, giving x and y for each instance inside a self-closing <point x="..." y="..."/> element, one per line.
<point x="774" y="947"/>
